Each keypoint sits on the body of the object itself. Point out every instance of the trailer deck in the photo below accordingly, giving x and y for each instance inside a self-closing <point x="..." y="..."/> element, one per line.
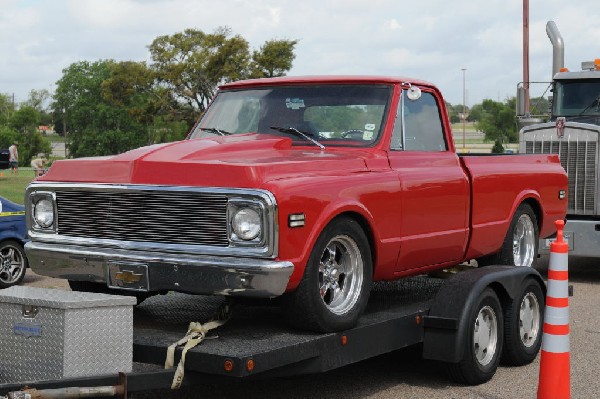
<point x="257" y="332"/>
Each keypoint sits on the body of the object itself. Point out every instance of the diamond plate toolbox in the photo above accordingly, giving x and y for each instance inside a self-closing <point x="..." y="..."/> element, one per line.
<point x="48" y="334"/>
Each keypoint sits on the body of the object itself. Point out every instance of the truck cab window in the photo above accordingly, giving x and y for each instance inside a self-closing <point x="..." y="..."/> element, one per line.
<point x="423" y="129"/>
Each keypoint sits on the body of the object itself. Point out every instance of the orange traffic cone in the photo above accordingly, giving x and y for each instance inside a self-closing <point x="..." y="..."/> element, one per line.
<point x="555" y="373"/>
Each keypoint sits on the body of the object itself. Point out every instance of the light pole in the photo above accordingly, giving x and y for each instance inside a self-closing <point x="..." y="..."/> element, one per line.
<point x="64" y="123"/>
<point x="464" y="113"/>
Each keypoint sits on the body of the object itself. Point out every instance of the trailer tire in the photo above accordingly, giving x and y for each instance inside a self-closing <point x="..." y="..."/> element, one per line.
<point x="101" y="288"/>
<point x="520" y="246"/>
<point x="523" y="324"/>
<point x="13" y="263"/>
<point x="484" y="342"/>
<point x="336" y="284"/>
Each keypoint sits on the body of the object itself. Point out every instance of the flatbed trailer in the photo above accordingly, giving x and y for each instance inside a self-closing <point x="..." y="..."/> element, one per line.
<point x="442" y="314"/>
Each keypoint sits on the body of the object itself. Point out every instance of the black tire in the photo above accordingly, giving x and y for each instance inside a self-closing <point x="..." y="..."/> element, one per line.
<point x="13" y="263"/>
<point x="478" y="364"/>
<point x="340" y="258"/>
<point x="516" y="240"/>
<point x="523" y="325"/>
<point x="102" y="288"/>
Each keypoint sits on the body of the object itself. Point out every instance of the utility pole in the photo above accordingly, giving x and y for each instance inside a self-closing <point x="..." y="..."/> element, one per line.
<point x="526" y="54"/>
<point x="464" y="113"/>
<point x="64" y="123"/>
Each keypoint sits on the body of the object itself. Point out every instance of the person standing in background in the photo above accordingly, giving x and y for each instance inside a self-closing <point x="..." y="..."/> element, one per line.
<point x="13" y="158"/>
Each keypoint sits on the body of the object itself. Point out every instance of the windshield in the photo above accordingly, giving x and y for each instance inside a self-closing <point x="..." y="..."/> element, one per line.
<point x="351" y="115"/>
<point x="576" y="98"/>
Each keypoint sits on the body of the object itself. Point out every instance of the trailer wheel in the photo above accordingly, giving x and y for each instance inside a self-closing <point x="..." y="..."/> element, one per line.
<point x="523" y="320"/>
<point x="336" y="284"/>
<point x="101" y="288"/>
<point x="520" y="245"/>
<point x="483" y="344"/>
<point x="13" y="263"/>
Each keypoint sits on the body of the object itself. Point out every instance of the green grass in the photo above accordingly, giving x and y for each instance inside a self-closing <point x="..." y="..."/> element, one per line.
<point x="458" y="141"/>
<point x="469" y="127"/>
<point x="12" y="187"/>
<point x="54" y="138"/>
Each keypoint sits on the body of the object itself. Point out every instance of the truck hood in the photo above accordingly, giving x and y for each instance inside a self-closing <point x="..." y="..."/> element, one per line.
<point x="244" y="161"/>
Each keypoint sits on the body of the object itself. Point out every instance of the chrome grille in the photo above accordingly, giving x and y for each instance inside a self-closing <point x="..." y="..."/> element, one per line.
<point x="579" y="157"/>
<point x="170" y="217"/>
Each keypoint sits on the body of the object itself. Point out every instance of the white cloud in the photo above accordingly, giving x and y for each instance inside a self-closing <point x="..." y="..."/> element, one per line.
<point x="392" y="24"/>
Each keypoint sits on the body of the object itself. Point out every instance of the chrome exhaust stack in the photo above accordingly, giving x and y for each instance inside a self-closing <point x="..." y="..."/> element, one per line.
<point x="558" y="47"/>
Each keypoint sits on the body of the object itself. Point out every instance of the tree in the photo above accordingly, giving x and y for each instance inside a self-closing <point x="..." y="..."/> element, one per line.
<point x="38" y="99"/>
<point x="192" y="63"/>
<point x="476" y="113"/>
<point x="78" y="94"/>
<point x="25" y="120"/>
<point x="8" y="136"/>
<point x="539" y="106"/>
<point x="498" y="121"/>
<point x="31" y="145"/>
<point x="7" y="107"/>
<point x="274" y="58"/>
<point x="81" y="106"/>
<point x="132" y="87"/>
<point x="498" y="148"/>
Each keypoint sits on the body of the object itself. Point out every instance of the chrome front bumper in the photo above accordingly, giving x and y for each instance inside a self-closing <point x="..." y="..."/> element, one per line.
<point x="196" y="274"/>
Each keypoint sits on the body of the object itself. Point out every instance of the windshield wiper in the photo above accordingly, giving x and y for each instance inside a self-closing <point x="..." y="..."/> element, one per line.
<point x="298" y="133"/>
<point x="596" y="102"/>
<point x="215" y="130"/>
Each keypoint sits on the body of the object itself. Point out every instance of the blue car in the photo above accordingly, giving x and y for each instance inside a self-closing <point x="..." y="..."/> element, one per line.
<point x="12" y="238"/>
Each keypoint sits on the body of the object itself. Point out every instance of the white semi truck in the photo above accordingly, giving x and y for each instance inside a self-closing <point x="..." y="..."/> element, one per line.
<point x="572" y="132"/>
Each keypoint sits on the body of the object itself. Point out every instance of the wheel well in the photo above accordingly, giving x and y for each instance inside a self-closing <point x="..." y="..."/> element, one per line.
<point x="537" y="209"/>
<point x="503" y="296"/>
<point x="364" y="224"/>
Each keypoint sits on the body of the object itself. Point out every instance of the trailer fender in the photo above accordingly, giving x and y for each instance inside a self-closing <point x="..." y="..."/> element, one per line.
<point x="446" y="326"/>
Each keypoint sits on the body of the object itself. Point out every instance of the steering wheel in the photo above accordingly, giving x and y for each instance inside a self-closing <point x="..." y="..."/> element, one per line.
<point x="353" y="134"/>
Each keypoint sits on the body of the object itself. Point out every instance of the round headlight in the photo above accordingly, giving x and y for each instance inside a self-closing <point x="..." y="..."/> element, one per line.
<point x="246" y="224"/>
<point x="43" y="213"/>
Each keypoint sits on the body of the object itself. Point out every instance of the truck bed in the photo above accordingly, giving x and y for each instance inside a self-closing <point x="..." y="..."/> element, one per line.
<point x="499" y="183"/>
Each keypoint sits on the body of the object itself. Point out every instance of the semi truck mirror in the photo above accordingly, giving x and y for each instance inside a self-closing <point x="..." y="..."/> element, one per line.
<point x="520" y="101"/>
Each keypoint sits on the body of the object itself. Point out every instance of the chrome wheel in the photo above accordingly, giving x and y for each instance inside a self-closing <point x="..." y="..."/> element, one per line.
<point x="524" y="241"/>
<point x="485" y="335"/>
<point x="340" y="274"/>
<point x="12" y="264"/>
<point x="529" y="320"/>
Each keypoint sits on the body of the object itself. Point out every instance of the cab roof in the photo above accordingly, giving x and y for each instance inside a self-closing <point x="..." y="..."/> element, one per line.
<point x="336" y="79"/>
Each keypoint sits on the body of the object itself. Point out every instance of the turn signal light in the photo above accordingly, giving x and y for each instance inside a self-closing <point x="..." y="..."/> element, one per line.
<point x="250" y="365"/>
<point x="344" y="339"/>
<point x="228" y="365"/>
<point x="597" y="63"/>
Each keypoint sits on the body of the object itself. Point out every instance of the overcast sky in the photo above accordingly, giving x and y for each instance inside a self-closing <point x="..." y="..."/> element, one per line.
<point x="427" y="39"/>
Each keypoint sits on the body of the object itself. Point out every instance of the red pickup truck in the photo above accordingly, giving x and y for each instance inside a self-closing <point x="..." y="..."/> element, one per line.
<point x="308" y="188"/>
